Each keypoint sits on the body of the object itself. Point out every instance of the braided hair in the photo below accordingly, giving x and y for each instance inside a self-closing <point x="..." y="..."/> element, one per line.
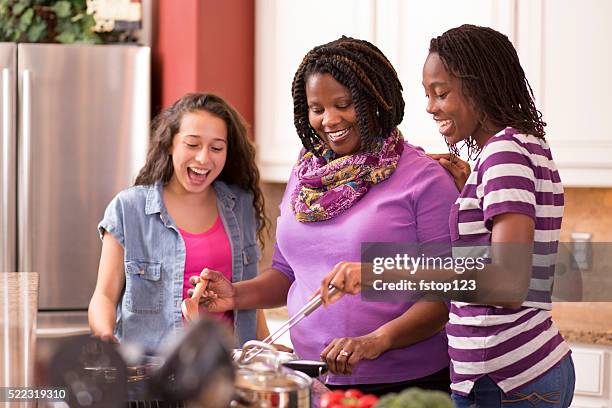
<point x="491" y="76"/>
<point x="365" y="71"/>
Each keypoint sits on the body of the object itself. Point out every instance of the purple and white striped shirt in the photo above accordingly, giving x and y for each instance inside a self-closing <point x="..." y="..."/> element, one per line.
<point x="515" y="173"/>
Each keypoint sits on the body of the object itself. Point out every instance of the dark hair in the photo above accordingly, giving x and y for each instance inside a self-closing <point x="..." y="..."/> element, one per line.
<point x="362" y="68"/>
<point x="240" y="168"/>
<point x="491" y="76"/>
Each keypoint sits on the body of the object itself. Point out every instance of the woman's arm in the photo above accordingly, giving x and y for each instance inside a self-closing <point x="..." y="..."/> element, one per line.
<point x="423" y="320"/>
<point x="504" y="282"/>
<point x="111" y="280"/>
<point x="269" y="289"/>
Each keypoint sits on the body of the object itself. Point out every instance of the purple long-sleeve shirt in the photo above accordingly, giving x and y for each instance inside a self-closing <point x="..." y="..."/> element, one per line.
<point x="411" y="206"/>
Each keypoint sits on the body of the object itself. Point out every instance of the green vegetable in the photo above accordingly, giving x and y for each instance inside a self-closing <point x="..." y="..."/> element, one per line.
<point x="416" y="398"/>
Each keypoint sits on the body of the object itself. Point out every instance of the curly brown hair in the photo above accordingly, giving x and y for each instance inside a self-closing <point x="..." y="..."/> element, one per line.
<point x="491" y="76"/>
<point x="363" y="69"/>
<point x="240" y="168"/>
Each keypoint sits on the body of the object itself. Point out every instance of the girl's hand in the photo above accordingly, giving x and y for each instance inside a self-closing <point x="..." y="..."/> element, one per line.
<point x="346" y="276"/>
<point x="342" y="354"/>
<point x="219" y="295"/>
<point x="108" y="338"/>
<point x="459" y="169"/>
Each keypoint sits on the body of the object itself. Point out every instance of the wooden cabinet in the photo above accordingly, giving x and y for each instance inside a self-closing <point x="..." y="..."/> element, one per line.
<point x="563" y="48"/>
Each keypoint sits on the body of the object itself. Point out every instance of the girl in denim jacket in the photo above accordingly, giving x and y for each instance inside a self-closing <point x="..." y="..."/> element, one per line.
<point x="195" y="204"/>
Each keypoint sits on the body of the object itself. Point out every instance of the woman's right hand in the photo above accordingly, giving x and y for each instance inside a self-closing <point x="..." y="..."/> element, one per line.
<point x="459" y="169"/>
<point x="219" y="295"/>
<point x="345" y="276"/>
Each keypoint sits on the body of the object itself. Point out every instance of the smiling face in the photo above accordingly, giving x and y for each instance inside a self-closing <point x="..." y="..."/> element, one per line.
<point x="451" y="109"/>
<point x="331" y="113"/>
<point x="199" y="151"/>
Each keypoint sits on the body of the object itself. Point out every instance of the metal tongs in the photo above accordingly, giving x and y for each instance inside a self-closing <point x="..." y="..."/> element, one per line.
<point x="306" y="310"/>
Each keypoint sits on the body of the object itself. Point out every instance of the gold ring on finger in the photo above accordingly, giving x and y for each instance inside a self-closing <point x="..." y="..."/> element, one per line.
<point x="344" y="353"/>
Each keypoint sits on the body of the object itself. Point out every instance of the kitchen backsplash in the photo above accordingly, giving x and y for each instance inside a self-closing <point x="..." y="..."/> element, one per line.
<point x="588" y="210"/>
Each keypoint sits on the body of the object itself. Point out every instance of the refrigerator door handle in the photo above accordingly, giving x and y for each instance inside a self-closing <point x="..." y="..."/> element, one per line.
<point x="25" y="236"/>
<point x="7" y="193"/>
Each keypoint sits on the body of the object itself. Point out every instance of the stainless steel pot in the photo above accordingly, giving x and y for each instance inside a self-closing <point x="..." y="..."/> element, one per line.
<point x="264" y="383"/>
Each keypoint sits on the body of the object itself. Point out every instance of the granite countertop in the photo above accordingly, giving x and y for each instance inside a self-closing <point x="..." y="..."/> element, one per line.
<point x="595" y="337"/>
<point x="18" y="305"/>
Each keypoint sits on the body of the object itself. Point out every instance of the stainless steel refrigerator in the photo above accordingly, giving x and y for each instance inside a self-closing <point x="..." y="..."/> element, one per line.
<point x="74" y="131"/>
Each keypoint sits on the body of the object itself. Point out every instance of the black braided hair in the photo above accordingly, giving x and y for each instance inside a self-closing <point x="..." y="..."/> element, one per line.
<point x="491" y="76"/>
<point x="362" y="68"/>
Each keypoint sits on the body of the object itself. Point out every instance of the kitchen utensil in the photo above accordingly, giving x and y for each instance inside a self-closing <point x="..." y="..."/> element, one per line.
<point x="266" y="355"/>
<point x="311" y="368"/>
<point x="199" y="368"/>
<point x="190" y="305"/>
<point x="306" y="310"/>
<point x="91" y="370"/>
<point x="263" y="382"/>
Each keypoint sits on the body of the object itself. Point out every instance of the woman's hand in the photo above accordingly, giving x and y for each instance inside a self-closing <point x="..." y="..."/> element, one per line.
<point x="346" y="276"/>
<point x="219" y="295"/>
<point x="281" y="347"/>
<point x="342" y="354"/>
<point x="459" y="169"/>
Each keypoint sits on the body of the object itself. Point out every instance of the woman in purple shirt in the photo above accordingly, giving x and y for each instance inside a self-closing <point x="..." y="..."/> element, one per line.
<point x="356" y="180"/>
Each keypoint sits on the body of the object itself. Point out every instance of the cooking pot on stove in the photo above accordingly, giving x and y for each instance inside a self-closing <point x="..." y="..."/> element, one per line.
<point x="262" y="380"/>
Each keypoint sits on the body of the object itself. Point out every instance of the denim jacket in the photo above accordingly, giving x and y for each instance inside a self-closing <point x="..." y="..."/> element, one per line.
<point x="149" y="311"/>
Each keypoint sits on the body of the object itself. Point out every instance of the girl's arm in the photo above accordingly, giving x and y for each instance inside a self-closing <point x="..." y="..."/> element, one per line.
<point x="262" y="330"/>
<point x="111" y="280"/>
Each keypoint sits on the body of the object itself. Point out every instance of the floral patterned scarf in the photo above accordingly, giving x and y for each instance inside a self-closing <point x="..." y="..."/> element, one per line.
<point x="327" y="186"/>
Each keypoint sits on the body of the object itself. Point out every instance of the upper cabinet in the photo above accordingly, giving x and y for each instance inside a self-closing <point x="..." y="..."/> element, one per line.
<point x="284" y="32"/>
<point x="565" y="49"/>
<point x="562" y="47"/>
<point x="403" y="31"/>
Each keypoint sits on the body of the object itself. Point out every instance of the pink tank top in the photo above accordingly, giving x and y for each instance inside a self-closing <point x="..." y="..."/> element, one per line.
<point x="210" y="249"/>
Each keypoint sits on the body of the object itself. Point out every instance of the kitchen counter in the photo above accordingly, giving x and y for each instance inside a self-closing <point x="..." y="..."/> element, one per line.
<point x="18" y="305"/>
<point x="584" y="322"/>
<point x="597" y="337"/>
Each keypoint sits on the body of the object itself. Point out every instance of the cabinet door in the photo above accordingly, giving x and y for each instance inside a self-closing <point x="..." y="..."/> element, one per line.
<point x="403" y="31"/>
<point x="566" y="52"/>
<point x="592" y="369"/>
<point x="285" y="32"/>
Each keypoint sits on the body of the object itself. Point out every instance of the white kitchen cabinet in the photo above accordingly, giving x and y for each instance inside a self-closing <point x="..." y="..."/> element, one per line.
<point x="403" y="31"/>
<point x="565" y="48"/>
<point x="284" y="32"/>
<point x="593" y="376"/>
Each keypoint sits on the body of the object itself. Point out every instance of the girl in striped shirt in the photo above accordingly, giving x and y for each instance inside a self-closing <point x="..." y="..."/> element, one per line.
<point x="503" y="354"/>
<point x="505" y="351"/>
